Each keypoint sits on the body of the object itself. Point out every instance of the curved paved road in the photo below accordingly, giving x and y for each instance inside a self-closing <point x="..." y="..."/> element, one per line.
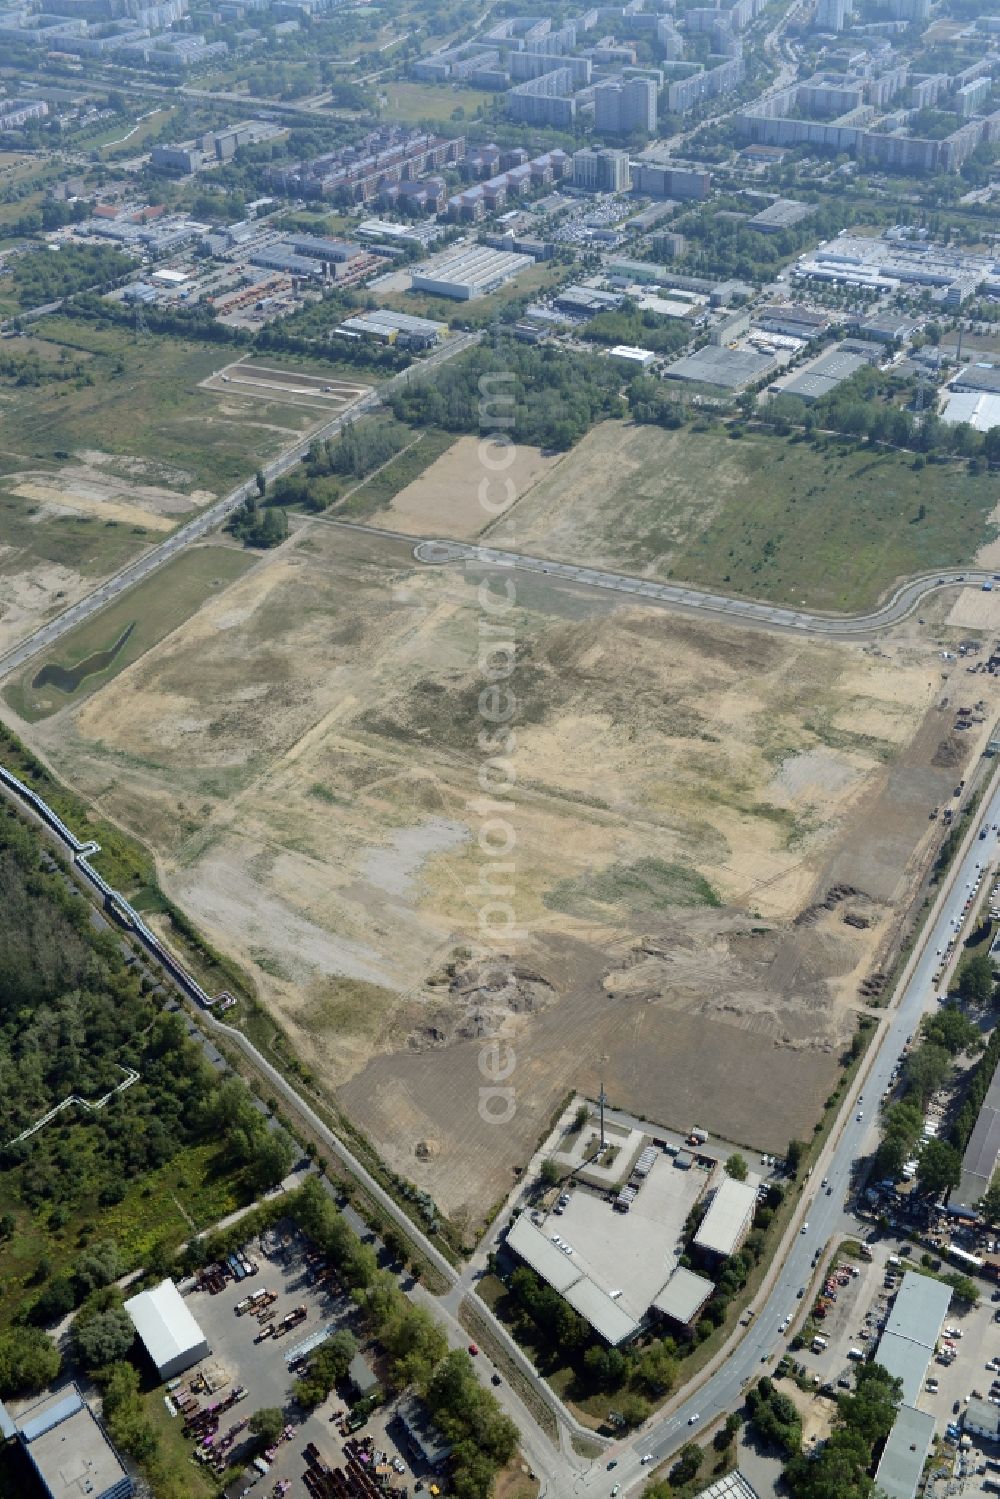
<point x="214" y="516"/>
<point x="901" y="604"/>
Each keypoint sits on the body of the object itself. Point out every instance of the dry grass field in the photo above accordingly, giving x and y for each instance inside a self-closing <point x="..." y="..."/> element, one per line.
<point x="444" y="500"/>
<point x="302" y="755"/>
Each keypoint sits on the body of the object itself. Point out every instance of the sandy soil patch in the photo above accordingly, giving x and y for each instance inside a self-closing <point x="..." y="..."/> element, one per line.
<point x="445" y="500"/>
<point x="975" y="610"/>
<point x="304" y="756"/>
<point x="28" y="597"/>
<point x="88" y="491"/>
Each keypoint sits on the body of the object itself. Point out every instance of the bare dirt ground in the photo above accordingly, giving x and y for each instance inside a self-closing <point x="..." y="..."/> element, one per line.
<point x="28" y="596"/>
<point x="445" y="500"/>
<point x="975" y="610"/>
<point x="85" y="489"/>
<point x="304" y="757"/>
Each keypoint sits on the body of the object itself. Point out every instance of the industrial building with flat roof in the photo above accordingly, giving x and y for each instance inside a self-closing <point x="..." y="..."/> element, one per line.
<point x="980" y="409"/>
<point x="824" y="374"/>
<point x="783" y="213"/>
<point x="978" y="377"/>
<point x="683" y="1296"/>
<point x="729" y="369"/>
<point x="618" y="1268"/>
<point x="902" y="1465"/>
<point x="471" y="273"/>
<point x="911" y="1333"/>
<point x="980" y="1159"/>
<point x="387" y="326"/>
<point x="68" y="1449"/>
<point x="567" y="1276"/>
<point x="728" y="1220"/>
<point x="167" y="1330"/>
<point x="905" y="1349"/>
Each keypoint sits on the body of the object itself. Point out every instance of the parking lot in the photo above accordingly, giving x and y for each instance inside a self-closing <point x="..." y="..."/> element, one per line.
<point x="262" y="1367"/>
<point x="969" y="1342"/>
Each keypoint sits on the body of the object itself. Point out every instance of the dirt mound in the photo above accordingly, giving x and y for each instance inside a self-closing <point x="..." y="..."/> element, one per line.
<point x="483" y="998"/>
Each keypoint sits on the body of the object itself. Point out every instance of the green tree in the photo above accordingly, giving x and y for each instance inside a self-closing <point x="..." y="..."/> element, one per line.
<point x="687" y="1466"/>
<point x="939" y="1167"/>
<point x="975" y="981"/>
<point x="736" y="1167"/>
<point x="794" y="1155"/>
<point x="97" y="1266"/>
<point x="29" y="1361"/>
<point x="267" y="1424"/>
<point x="550" y="1173"/>
<point x="271" y="1159"/>
<point x="949" y="1028"/>
<point x="103" y="1339"/>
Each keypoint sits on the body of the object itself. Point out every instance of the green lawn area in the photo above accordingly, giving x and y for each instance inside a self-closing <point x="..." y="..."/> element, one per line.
<point x="410" y="102"/>
<point x="133" y="624"/>
<point x="829" y="525"/>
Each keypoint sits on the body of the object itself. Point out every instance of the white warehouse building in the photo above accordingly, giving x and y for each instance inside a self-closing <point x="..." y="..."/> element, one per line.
<point x="167" y="1330"/>
<point x="472" y="273"/>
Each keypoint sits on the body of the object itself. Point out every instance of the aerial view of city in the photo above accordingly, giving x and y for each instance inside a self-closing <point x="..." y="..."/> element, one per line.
<point x="499" y="749"/>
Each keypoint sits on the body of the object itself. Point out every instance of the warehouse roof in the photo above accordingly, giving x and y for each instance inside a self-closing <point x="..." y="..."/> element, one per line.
<point x="978" y="377"/>
<point x="920" y="1308"/>
<point x="729" y="368"/>
<point x="478" y="265"/>
<point x="905" y="1453"/>
<point x="728" y="1219"/>
<point x="781" y="214"/>
<point x="605" y="1316"/>
<point x="164" y="1323"/>
<point x="912" y="1330"/>
<point x="683" y="1296"/>
<point x="905" y="1360"/>
<point x="565" y="1274"/>
<point x="824" y="374"/>
<point x="980" y="1159"/>
<point x="980" y="408"/>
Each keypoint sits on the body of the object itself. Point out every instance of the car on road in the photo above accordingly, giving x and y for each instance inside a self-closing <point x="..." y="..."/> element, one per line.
<point x="694" y="1418"/>
<point x="805" y="1227"/>
<point x="801" y="1292"/>
<point x="473" y="1349"/>
<point x="647" y="1458"/>
<point x="615" y="1490"/>
<point x="860" y="1115"/>
<point x="612" y="1464"/>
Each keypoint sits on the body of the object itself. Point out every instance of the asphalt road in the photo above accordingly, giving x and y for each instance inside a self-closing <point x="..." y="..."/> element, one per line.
<point x="824" y="1213"/>
<point x="214" y="516"/>
<point x="902" y="603"/>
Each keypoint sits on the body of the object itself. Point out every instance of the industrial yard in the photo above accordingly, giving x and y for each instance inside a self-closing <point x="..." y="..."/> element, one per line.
<point x="327" y="782"/>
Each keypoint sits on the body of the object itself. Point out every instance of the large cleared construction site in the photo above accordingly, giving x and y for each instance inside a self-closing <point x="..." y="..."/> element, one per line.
<point x="715" y="829"/>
